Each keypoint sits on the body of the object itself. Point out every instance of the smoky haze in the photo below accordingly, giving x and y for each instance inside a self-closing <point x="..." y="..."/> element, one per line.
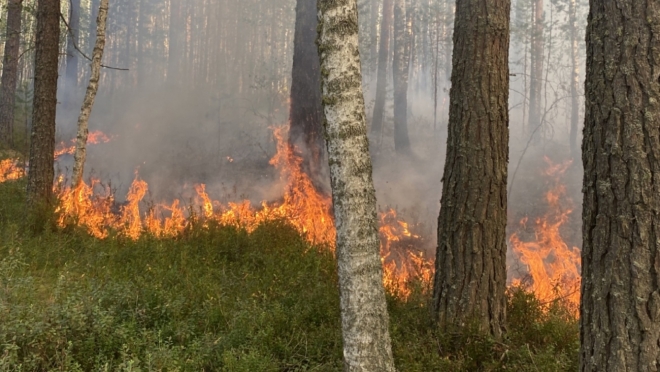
<point x="208" y="79"/>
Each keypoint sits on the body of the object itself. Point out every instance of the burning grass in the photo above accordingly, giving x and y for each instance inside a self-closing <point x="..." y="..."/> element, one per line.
<point x="220" y="298"/>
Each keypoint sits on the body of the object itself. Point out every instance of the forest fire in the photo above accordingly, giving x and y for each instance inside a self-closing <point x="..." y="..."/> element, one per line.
<point x="93" y="138"/>
<point x="553" y="267"/>
<point x="302" y="205"/>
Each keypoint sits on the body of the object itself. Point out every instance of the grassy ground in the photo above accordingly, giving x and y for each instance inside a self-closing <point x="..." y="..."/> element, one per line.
<point x="221" y="300"/>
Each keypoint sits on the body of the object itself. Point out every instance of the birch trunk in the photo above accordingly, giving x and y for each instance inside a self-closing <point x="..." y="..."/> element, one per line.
<point x="42" y="139"/>
<point x="620" y="301"/>
<point x="365" y="321"/>
<point x="400" y="68"/>
<point x="470" y="278"/>
<point x="90" y="95"/>
<point x="9" y="72"/>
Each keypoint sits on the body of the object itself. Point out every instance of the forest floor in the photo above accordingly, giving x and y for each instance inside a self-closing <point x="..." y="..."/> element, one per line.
<point x="220" y="299"/>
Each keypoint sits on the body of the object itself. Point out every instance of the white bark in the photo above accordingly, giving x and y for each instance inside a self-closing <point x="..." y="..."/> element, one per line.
<point x="365" y="322"/>
<point x="90" y="95"/>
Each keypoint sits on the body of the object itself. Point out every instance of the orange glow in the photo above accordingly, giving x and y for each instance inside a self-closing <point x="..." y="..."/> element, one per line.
<point x="93" y="138"/>
<point x="9" y="170"/>
<point x="553" y="267"/>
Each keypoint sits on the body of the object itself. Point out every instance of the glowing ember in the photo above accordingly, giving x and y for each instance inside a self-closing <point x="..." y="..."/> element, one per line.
<point x="553" y="267"/>
<point x="9" y="170"/>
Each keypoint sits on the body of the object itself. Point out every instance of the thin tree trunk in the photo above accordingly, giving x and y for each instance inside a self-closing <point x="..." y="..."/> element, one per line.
<point x="90" y="95"/>
<point x="383" y="61"/>
<point x="536" y="73"/>
<point x="365" y="322"/>
<point x="9" y="72"/>
<point x="71" y="53"/>
<point x="575" y="79"/>
<point x="42" y="139"/>
<point x="620" y="301"/>
<point x="400" y="70"/>
<point x="93" y="14"/>
<point x="176" y="41"/>
<point x="306" y="113"/>
<point x="470" y="279"/>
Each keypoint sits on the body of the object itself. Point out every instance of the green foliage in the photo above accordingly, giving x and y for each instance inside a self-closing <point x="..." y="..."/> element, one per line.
<point x="221" y="299"/>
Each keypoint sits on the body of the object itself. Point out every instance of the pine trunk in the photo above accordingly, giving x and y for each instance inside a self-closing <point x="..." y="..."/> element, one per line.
<point x="71" y="52"/>
<point x="470" y="279"/>
<point x="306" y="113"/>
<point x="90" y="95"/>
<point x="383" y="61"/>
<point x="42" y="139"/>
<point x="400" y="68"/>
<point x="575" y="79"/>
<point x="10" y="72"/>
<point x="365" y="322"/>
<point x="620" y="311"/>
<point x="536" y="73"/>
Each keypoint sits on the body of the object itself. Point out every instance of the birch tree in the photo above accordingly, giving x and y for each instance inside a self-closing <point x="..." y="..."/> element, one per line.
<point x="620" y="300"/>
<point x="470" y="278"/>
<point x="90" y="95"/>
<point x="365" y="321"/>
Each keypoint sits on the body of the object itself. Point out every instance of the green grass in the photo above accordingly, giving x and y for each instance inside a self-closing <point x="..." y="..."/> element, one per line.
<point x="221" y="299"/>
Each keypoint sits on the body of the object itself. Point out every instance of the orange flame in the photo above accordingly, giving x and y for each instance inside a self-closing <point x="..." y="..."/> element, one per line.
<point x="9" y="170"/>
<point x="93" y="138"/>
<point x="553" y="267"/>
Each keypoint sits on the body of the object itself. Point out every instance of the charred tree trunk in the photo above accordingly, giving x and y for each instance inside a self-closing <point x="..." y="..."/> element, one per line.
<point x="365" y="322"/>
<point x="536" y="73"/>
<point x="42" y="138"/>
<point x="620" y="311"/>
<point x="90" y="95"/>
<point x="400" y="69"/>
<point x="176" y="39"/>
<point x="306" y="113"/>
<point x="9" y="72"/>
<point x="470" y="278"/>
<point x="383" y="61"/>
<point x="575" y="78"/>
<point x="73" y="37"/>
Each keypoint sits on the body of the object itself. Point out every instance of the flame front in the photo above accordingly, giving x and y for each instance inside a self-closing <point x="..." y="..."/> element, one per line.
<point x="553" y="267"/>
<point x="9" y="170"/>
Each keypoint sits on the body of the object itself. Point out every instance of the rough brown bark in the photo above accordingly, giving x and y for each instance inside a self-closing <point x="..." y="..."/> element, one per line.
<point x="383" y="61"/>
<point x="305" y="112"/>
<point x="365" y="322"/>
<point x="620" y="312"/>
<point x="42" y="139"/>
<point x="9" y="72"/>
<point x="536" y="73"/>
<point x="401" y="69"/>
<point x="470" y="278"/>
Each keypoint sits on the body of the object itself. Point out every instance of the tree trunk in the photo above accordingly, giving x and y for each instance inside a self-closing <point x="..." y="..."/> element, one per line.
<point x="400" y="68"/>
<point x="176" y="40"/>
<point x="71" y="53"/>
<point x="305" y="113"/>
<point x="536" y="73"/>
<point x="575" y="79"/>
<point x="620" y="311"/>
<point x="365" y="322"/>
<point x="9" y="72"/>
<point x="42" y="139"/>
<point x="383" y="61"/>
<point x="90" y="95"/>
<point x="470" y="278"/>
